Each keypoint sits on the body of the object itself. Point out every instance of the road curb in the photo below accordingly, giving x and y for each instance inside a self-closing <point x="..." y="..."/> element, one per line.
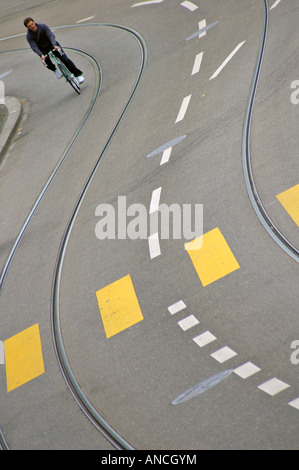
<point x="15" y="112"/>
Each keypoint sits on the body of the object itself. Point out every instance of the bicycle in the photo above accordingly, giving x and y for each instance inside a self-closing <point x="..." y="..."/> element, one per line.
<point x="70" y="78"/>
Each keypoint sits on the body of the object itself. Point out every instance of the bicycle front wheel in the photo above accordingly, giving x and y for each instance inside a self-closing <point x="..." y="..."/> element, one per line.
<point x="69" y="77"/>
<point x="75" y="84"/>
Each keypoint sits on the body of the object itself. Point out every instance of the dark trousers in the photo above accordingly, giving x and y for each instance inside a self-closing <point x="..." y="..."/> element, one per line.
<point x="64" y="58"/>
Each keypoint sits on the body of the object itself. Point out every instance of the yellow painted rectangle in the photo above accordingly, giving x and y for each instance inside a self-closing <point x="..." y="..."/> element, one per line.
<point x="214" y="259"/>
<point x="23" y="357"/>
<point x="119" y="306"/>
<point x="290" y="201"/>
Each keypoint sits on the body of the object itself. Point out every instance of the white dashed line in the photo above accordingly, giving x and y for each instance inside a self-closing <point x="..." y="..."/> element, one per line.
<point x="201" y="25"/>
<point x="155" y="201"/>
<point x="231" y="55"/>
<point x="205" y="338"/>
<point x="85" y="19"/>
<point x="197" y="63"/>
<point x="191" y="6"/>
<point x="246" y="370"/>
<point x="183" y="109"/>
<point x="2" y="353"/>
<point x="188" y="322"/>
<point x="141" y="4"/>
<point x="166" y="156"/>
<point x="154" y="245"/>
<point x="223" y="354"/>
<point x="203" y="28"/>
<point x="177" y="307"/>
<point x="5" y="74"/>
<point x="273" y="386"/>
<point x="275" y="4"/>
<point x="294" y="403"/>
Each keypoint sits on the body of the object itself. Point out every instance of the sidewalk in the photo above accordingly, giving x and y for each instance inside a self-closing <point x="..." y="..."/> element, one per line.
<point x="10" y="117"/>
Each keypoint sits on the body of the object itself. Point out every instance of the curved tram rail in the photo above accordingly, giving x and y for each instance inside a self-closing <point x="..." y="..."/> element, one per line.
<point x="255" y="199"/>
<point x="88" y="409"/>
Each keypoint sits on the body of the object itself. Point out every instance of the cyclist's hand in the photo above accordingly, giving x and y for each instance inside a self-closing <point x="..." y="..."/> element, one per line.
<point x="57" y="48"/>
<point x="43" y="58"/>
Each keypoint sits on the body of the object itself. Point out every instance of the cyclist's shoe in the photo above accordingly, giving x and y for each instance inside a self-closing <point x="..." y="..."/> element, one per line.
<point x="80" y="79"/>
<point x="58" y="74"/>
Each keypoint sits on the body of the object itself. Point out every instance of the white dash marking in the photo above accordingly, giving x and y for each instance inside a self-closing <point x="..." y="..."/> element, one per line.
<point x="154" y="245"/>
<point x="188" y="322"/>
<point x="166" y="146"/>
<point x="177" y="307"/>
<point x="85" y="19"/>
<point x="223" y="354"/>
<point x="231" y="55"/>
<point x="2" y="353"/>
<point x="246" y="370"/>
<point x="197" y="63"/>
<point x="273" y="386"/>
<point x="183" y="109"/>
<point x="201" y="25"/>
<point x="204" y="338"/>
<point x="294" y="403"/>
<point x="191" y="6"/>
<point x="5" y="74"/>
<point x="155" y="201"/>
<point x="141" y="4"/>
<point x="166" y="156"/>
<point x="275" y="4"/>
<point x="203" y="30"/>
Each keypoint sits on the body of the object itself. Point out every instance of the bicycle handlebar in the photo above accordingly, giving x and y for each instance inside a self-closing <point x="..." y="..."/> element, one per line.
<point x="53" y="50"/>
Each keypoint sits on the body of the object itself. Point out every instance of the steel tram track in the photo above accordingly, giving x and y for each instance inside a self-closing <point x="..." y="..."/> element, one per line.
<point x="86" y="406"/>
<point x="88" y="409"/>
<point x="82" y="400"/>
<point x="254" y="197"/>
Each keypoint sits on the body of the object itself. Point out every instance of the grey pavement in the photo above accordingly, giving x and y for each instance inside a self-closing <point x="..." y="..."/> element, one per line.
<point x="10" y="117"/>
<point x="224" y="342"/>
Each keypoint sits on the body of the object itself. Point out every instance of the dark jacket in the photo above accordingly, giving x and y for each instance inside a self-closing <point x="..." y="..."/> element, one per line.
<point x="41" y="41"/>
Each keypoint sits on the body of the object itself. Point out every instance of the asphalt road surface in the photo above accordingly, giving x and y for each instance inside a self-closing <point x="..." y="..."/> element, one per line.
<point x="115" y="334"/>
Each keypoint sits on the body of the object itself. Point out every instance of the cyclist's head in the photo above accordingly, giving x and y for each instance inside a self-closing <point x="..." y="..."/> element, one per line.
<point x="30" y="24"/>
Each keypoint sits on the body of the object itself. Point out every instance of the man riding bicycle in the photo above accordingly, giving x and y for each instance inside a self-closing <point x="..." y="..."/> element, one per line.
<point x="42" y="40"/>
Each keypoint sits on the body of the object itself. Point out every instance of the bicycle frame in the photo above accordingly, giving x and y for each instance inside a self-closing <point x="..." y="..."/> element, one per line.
<point x="69" y="77"/>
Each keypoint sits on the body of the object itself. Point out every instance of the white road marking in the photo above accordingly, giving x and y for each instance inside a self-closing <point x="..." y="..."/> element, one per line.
<point x="140" y="4"/>
<point x="294" y="403"/>
<point x="12" y="37"/>
<point x="14" y="5"/>
<point x="205" y="338"/>
<point x="5" y="73"/>
<point x="155" y="201"/>
<point x="201" y="25"/>
<point x="177" y="307"/>
<point x="203" y="28"/>
<point x="275" y="4"/>
<point x="231" y="55"/>
<point x="191" y="6"/>
<point x="166" y="146"/>
<point x="166" y="156"/>
<point x="85" y="19"/>
<point x="223" y="354"/>
<point x="197" y="63"/>
<point x="273" y="386"/>
<point x="246" y="370"/>
<point x="154" y="245"/>
<point x="2" y="353"/>
<point x="188" y="322"/>
<point x="183" y="109"/>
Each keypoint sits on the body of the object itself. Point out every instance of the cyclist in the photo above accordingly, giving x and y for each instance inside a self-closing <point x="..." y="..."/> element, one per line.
<point x="42" y="40"/>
